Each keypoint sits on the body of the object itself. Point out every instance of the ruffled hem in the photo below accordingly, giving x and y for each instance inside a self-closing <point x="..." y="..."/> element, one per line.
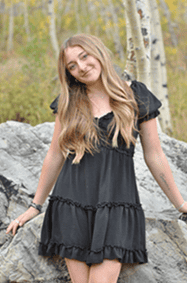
<point x="97" y="256"/>
<point x="113" y="230"/>
<point x="149" y="116"/>
<point x="94" y="208"/>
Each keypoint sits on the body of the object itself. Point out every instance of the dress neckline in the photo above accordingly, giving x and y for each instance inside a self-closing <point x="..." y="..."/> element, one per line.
<point x="111" y="112"/>
<point x="103" y="116"/>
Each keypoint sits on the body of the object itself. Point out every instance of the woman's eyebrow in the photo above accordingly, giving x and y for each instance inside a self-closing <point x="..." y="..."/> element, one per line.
<point x="78" y="56"/>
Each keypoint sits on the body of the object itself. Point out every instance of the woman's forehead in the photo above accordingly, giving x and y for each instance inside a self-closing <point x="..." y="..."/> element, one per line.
<point x="73" y="52"/>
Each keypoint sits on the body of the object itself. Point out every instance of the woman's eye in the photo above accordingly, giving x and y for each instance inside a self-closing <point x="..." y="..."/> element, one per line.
<point x="72" y="67"/>
<point x="85" y="56"/>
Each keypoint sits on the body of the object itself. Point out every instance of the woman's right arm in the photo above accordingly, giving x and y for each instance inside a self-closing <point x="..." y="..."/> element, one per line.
<point x="52" y="165"/>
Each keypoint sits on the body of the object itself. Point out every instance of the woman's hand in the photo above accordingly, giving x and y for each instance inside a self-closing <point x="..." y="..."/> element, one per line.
<point x="183" y="209"/>
<point x="20" y="221"/>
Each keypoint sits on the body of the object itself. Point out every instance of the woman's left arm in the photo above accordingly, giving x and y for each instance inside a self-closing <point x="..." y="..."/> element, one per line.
<point x="158" y="164"/>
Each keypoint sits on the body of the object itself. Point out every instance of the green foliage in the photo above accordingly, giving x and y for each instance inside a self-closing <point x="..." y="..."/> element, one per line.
<point x="26" y="97"/>
<point x="26" y="86"/>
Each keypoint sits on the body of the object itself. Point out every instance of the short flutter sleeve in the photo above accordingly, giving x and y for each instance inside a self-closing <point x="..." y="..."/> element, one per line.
<point x="147" y="102"/>
<point x="54" y="105"/>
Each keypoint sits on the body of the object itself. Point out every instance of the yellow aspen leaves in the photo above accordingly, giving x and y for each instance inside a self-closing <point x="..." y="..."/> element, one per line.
<point x="32" y="2"/>
<point x="172" y="4"/>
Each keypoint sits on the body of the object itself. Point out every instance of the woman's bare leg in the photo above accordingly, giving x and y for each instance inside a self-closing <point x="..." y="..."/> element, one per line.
<point x="78" y="270"/>
<point x="106" y="272"/>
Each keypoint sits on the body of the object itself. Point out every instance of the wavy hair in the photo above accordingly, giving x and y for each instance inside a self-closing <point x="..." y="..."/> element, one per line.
<point x="80" y="133"/>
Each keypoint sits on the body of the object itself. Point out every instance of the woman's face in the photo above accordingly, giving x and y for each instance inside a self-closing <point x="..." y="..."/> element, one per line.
<point x="82" y="66"/>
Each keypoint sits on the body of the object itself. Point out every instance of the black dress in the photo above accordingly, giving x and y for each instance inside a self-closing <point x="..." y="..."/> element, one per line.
<point x="94" y="211"/>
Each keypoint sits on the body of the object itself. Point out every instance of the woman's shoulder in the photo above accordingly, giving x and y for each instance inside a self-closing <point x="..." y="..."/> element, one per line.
<point x="142" y="94"/>
<point x="148" y="103"/>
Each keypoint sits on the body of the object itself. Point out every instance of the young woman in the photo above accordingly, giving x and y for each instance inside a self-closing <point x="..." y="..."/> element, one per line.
<point x="94" y="218"/>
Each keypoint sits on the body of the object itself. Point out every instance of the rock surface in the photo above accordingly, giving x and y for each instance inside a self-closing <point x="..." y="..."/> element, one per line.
<point x="22" y="150"/>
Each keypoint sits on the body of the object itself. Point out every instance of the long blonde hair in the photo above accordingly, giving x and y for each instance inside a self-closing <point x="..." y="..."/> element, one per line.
<point x="79" y="131"/>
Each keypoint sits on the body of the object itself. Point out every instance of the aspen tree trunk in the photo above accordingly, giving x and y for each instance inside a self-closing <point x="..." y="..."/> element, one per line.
<point x="159" y="72"/>
<point x="185" y="13"/>
<point x="64" y="11"/>
<point x="156" y="79"/>
<point x="170" y="24"/>
<point x="116" y="35"/>
<point x="142" y="62"/>
<point x="143" y="10"/>
<point x="11" y="28"/>
<point x="68" y="6"/>
<point x="93" y="15"/>
<point x="59" y="13"/>
<point x="137" y="14"/>
<point x="129" y="73"/>
<point x="104" y="16"/>
<point x="60" y="4"/>
<point x="76" y="6"/>
<point x="83" y="8"/>
<point x="84" y="16"/>
<point x="3" y="36"/>
<point x="43" y="6"/>
<point x="52" y="27"/>
<point x="26" y="20"/>
<point x="181" y="13"/>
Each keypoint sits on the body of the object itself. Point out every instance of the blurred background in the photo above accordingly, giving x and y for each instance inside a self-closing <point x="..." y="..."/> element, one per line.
<point x="28" y="56"/>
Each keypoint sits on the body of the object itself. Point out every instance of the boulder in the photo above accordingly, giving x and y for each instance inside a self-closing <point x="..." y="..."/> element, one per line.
<point x="22" y="151"/>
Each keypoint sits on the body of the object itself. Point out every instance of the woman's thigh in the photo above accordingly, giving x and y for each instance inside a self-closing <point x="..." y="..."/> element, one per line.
<point x="78" y="270"/>
<point x="106" y="272"/>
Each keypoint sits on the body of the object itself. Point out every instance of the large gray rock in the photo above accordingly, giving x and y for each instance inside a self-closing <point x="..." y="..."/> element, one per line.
<point x="22" y="150"/>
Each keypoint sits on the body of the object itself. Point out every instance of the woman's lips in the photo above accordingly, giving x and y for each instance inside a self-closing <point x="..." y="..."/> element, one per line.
<point x="85" y="74"/>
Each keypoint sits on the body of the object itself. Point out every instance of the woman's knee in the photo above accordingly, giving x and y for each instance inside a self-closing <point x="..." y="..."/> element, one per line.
<point x="106" y="272"/>
<point x="103" y="279"/>
<point x="78" y="271"/>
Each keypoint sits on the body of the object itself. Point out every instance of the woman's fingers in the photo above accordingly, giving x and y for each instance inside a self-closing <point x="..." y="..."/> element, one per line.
<point x="20" y="221"/>
<point x="15" y="227"/>
<point x="12" y="227"/>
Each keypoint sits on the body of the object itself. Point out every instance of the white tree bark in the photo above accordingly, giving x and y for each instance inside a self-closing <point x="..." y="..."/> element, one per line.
<point x="26" y="20"/>
<point x="93" y="16"/>
<point x="60" y="4"/>
<point x="4" y="18"/>
<point x="143" y="10"/>
<point x="116" y="35"/>
<point x="84" y="16"/>
<point x="138" y="42"/>
<point x="11" y="28"/>
<point x="76" y="6"/>
<point x="185" y="13"/>
<point x="52" y="28"/>
<point x="68" y="6"/>
<point x="129" y="73"/>
<point x="142" y="62"/>
<point x="44" y="6"/>
<point x="2" y="7"/>
<point x="159" y="72"/>
<point x="104" y="15"/>
<point x="170" y="24"/>
<point x="156" y="79"/>
<point x="83" y="8"/>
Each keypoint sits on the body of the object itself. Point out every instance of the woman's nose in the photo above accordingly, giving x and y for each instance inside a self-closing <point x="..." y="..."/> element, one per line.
<point x="82" y="66"/>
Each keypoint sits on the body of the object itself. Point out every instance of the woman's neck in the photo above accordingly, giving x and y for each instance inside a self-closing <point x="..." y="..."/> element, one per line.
<point x="96" y="89"/>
